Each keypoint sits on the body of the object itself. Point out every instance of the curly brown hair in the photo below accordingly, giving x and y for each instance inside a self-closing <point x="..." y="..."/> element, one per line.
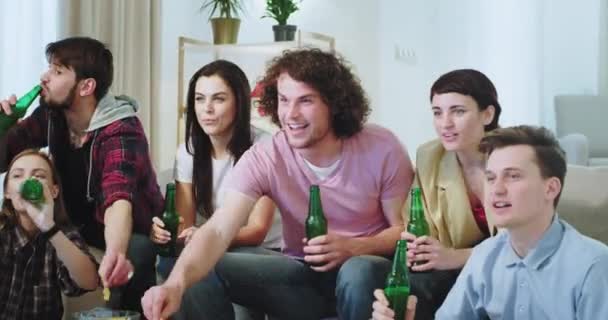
<point x="331" y="76"/>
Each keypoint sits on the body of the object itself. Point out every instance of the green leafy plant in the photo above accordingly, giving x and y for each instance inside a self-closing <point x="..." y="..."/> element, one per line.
<point x="227" y="8"/>
<point x="280" y="10"/>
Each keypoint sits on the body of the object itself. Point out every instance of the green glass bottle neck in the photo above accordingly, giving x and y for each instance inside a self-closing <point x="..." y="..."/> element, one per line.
<point x="399" y="260"/>
<point x="416" y="208"/>
<point x="170" y="200"/>
<point x="314" y="206"/>
<point x="24" y="102"/>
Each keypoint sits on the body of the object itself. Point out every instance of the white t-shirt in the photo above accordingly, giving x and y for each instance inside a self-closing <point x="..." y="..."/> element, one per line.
<point x="221" y="168"/>
<point x="322" y="172"/>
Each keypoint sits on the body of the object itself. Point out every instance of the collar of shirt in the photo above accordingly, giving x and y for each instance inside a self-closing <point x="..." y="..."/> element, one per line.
<point x="22" y="240"/>
<point x="543" y="250"/>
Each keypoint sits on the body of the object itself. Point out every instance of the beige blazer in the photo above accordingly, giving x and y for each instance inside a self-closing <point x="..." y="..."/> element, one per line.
<point x="447" y="207"/>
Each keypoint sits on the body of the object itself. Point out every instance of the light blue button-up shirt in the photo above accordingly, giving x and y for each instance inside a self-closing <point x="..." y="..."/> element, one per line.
<point x="564" y="277"/>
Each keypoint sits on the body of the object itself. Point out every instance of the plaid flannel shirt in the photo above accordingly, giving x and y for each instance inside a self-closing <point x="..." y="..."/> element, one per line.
<point x="32" y="277"/>
<point x="120" y="165"/>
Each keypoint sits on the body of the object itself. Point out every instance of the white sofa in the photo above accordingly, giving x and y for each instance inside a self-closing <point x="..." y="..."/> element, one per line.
<point x="584" y="200"/>
<point x="580" y="125"/>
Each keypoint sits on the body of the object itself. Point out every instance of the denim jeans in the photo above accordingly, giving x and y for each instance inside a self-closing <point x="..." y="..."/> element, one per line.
<point x="166" y="264"/>
<point x="142" y="254"/>
<point x="431" y="288"/>
<point x="285" y="288"/>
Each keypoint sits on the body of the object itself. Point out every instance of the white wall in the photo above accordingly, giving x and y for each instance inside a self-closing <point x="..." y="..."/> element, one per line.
<point x="354" y="24"/>
<point x="571" y="62"/>
<point x="532" y="50"/>
<point x="603" y="57"/>
<point x="403" y="105"/>
<point x="447" y="35"/>
<point x="25" y="29"/>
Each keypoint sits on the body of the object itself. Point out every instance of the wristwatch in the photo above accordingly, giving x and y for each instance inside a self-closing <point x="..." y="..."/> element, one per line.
<point x="51" y="232"/>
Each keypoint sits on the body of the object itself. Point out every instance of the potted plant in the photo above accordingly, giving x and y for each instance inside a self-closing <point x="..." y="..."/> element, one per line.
<point x="280" y="10"/>
<point x="225" y="26"/>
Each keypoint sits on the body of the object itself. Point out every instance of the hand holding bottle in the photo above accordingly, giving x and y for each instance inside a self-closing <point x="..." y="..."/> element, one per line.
<point x="171" y="222"/>
<point x="7" y="105"/>
<point x="160" y="235"/>
<point x="41" y="213"/>
<point x="431" y="254"/>
<point x="13" y="109"/>
<point x="382" y="311"/>
<point x="330" y="251"/>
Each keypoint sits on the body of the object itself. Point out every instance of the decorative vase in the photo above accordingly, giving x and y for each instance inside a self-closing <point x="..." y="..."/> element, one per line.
<point x="225" y="30"/>
<point x="284" y="32"/>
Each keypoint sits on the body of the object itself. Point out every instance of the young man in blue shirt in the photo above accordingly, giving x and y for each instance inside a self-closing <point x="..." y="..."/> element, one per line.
<point x="538" y="266"/>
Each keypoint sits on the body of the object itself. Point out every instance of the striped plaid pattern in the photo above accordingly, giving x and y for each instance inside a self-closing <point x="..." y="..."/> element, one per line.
<point x="32" y="277"/>
<point x="121" y="165"/>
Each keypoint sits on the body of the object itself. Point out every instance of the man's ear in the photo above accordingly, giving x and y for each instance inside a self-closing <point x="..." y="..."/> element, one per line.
<point x="87" y="87"/>
<point x="553" y="188"/>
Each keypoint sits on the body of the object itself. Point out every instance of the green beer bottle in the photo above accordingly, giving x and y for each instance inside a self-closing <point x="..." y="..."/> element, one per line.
<point x="171" y="220"/>
<point x="316" y="224"/>
<point x="397" y="288"/>
<point x="19" y="109"/>
<point x="32" y="191"/>
<point x="417" y="224"/>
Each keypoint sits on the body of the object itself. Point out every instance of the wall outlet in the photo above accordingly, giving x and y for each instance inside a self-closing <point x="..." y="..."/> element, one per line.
<point x="405" y="55"/>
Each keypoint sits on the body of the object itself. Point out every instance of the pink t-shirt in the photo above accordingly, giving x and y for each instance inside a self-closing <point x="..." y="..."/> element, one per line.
<point x="374" y="166"/>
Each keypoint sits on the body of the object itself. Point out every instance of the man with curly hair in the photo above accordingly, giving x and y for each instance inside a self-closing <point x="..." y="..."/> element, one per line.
<point x="364" y="174"/>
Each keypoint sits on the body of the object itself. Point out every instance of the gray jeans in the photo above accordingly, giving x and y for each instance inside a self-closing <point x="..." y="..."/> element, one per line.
<point x="285" y="288"/>
<point x="431" y="288"/>
<point x="142" y="254"/>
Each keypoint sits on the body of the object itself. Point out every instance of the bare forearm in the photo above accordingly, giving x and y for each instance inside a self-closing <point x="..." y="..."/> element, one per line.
<point x="382" y="244"/>
<point x="184" y="203"/>
<point x="82" y="270"/>
<point x="118" y="226"/>
<point x="258" y="224"/>
<point x="249" y="236"/>
<point x="210" y="242"/>
<point x="198" y="257"/>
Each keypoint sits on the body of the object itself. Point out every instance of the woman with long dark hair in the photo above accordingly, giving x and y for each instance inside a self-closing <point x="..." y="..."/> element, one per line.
<point x="218" y="132"/>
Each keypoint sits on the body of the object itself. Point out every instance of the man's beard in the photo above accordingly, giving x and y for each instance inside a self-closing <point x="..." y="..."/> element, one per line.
<point x="61" y="105"/>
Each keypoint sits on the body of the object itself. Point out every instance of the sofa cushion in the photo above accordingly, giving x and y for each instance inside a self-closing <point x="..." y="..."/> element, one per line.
<point x="583" y="114"/>
<point x="584" y="201"/>
<point x="598" y="162"/>
<point x="576" y="146"/>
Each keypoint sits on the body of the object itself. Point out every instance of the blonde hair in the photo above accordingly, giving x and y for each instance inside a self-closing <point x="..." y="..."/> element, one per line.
<point x="8" y="216"/>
